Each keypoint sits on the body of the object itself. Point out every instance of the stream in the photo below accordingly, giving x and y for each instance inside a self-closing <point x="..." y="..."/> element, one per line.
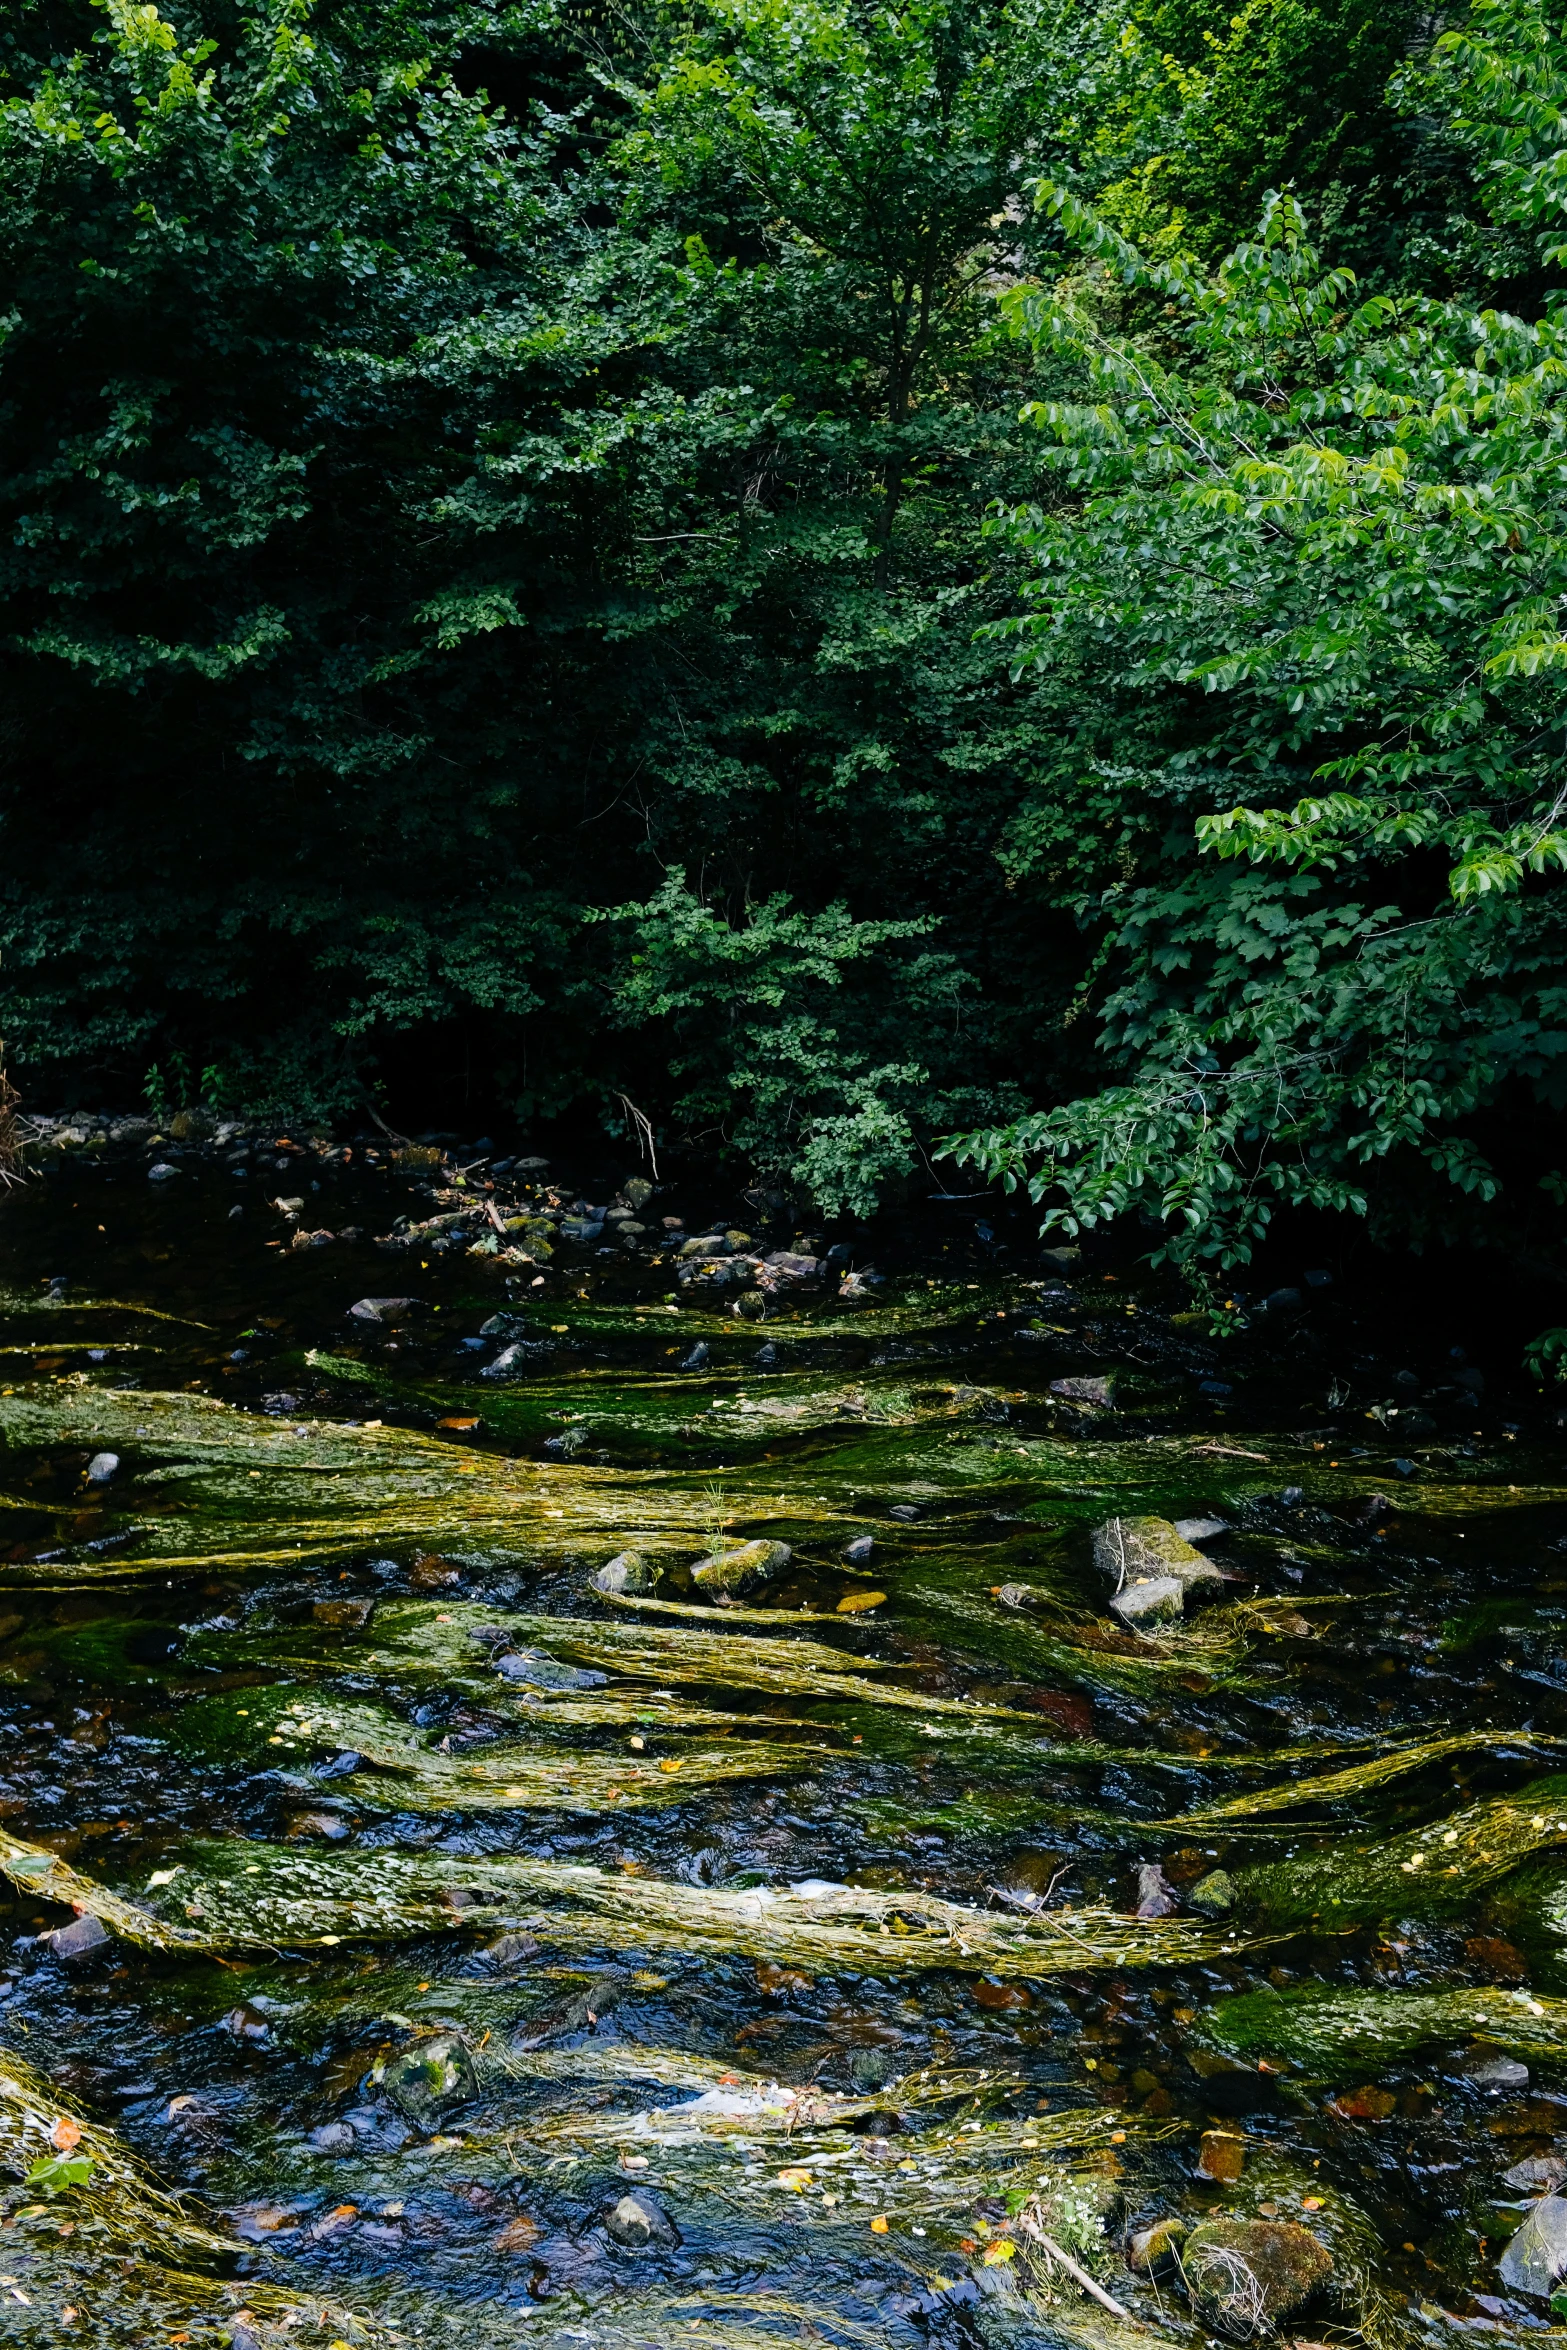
<point x="570" y="1776"/>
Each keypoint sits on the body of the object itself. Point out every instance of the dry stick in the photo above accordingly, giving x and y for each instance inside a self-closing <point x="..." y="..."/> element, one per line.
<point x="642" y="1127"/>
<point x="1080" y="2276"/>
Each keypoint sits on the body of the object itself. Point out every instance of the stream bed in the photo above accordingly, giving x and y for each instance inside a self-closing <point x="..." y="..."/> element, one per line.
<point x="569" y="1775"/>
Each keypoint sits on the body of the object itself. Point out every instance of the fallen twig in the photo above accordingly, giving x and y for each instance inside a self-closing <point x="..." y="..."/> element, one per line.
<point x="1080" y="2276"/>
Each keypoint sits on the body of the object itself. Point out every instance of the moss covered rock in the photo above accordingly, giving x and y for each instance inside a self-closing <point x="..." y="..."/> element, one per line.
<point x="1247" y="2274"/>
<point x="1139" y="1550"/>
<point x="735" y="1572"/>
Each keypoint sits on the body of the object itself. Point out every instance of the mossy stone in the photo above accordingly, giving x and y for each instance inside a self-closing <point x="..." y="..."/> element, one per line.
<point x="737" y="1571"/>
<point x="1247" y="2274"/>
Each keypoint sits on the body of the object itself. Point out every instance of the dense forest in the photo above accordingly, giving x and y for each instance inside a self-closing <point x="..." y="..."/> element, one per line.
<point x="852" y="575"/>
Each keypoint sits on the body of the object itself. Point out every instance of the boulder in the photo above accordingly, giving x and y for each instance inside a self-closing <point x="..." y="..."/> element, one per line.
<point x="1214" y="1893"/>
<point x="80" y="1938"/>
<point x="1155" y="1599"/>
<point x="1130" y="1550"/>
<point x="382" y="1309"/>
<point x="743" y="1568"/>
<point x="1249" y="2273"/>
<point x="1537" y="2255"/>
<point x="429" y="2077"/>
<point x="1097" y="1392"/>
<point x="1200" y="1529"/>
<point x="638" y="2219"/>
<point x="628" y="1571"/>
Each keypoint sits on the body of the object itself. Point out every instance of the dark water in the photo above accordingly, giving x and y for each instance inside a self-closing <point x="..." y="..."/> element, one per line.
<point x="488" y="1958"/>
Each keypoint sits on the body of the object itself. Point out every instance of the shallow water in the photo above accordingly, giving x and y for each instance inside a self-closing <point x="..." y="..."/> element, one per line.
<point x="811" y="1919"/>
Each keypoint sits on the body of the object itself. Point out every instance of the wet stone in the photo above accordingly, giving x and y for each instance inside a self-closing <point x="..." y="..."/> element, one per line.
<point x="1128" y="1550"/>
<point x="1155" y="1599"/>
<point x="80" y="1938"/>
<point x="1537" y="2174"/>
<point x="1097" y="1392"/>
<point x="534" y="1670"/>
<point x="508" y="1952"/>
<point x="742" y="1569"/>
<point x="1155" y="2242"/>
<point x="344" y="1615"/>
<point x="1537" y="2255"/>
<point x="428" y="2079"/>
<point x="1221" y="2155"/>
<point x="638" y="2220"/>
<point x="628" y="1571"/>
<point x="1214" y="1893"/>
<point x="1483" y="2068"/>
<point x="102" y="1467"/>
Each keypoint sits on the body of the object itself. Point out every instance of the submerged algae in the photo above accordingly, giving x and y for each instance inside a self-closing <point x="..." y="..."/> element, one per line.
<point x="837" y="2088"/>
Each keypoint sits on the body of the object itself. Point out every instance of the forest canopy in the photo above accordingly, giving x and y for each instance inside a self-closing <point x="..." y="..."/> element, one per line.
<point x="976" y="575"/>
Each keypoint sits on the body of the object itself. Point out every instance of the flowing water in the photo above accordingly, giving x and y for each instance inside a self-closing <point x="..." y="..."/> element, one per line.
<point x="407" y="1940"/>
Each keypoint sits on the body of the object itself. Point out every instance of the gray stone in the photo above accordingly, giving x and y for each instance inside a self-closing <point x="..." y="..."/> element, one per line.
<point x="859" y="1550"/>
<point x="538" y="1671"/>
<point x="1097" y="1392"/>
<point x="162" y="1172"/>
<point x="427" y="2079"/>
<point x="1128" y="1550"/>
<point x="1200" y="1529"/>
<point x="742" y="1568"/>
<point x="1155" y="1599"/>
<point x="1154" y="1898"/>
<point x="80" y="1938"/>
<point x="1537" y="2174"/>
<point x="1537" y="2255"/>
<point x="102" y="1467"/>
<point x="382" y="1309"/>
<point x="1486" y="2070"/>
<point x="508" y="1951"/>
<point x="629" y="1571"/>
<point x="638" y="2219"/>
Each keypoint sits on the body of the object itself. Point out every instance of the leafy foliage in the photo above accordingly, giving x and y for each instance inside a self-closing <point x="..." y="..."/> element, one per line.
<point x="493" y="557"/>
<point x="1358" y="517"/>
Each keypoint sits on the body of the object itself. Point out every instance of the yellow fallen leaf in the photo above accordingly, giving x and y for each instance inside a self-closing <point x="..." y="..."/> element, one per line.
<point x="854" y="1603"/>
<point x="880" y="2225"/>
<point x="1005" y="2249"/>
<point x="670" y="1763"/>
<point x="794" y="2177"/>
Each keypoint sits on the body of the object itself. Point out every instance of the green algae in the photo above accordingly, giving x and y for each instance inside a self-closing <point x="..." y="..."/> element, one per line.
<point x="259" y="1896"/>
<point x="405" y="1769"/>
<point x="1424" y="1871"/>
<point x="1319" y="2029"/>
